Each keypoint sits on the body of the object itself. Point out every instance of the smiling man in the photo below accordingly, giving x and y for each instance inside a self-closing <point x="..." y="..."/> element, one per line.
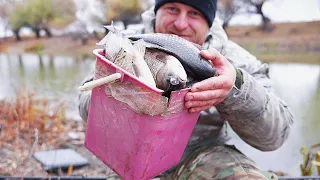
<point x="241" y="96"/>
<point x="182" y="20"/>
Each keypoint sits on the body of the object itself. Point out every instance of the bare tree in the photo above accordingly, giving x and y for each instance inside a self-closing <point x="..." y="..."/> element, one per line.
<point x="6" y="7"/>
<point x="227" y="9"/>
<point x="230" y="8"/>
<point x="127" y="11"/>
<point x="255" y="7"/>
<point x="4" y="16"/>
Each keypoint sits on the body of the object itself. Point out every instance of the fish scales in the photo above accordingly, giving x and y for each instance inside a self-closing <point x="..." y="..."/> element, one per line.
<point x="189" y="55"/>
<point x="124" y="61"/>
<point x="154" y="63"/>
<point x="151" y="63"/>
<point x="166" y="69"/>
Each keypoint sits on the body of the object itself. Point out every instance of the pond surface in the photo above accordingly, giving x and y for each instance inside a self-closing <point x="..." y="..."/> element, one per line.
<point x="299" y="86"/>
<point x="57" y="78"/>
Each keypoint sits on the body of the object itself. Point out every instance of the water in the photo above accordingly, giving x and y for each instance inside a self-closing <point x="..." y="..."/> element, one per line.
<point x="299" y="86"/>
<point x="57" y="78"/>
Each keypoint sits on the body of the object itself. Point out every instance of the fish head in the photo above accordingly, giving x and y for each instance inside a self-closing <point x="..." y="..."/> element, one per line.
<point x="172" y="82"/>
<point x="115" y="44"/>
<point x="172" y="75"/>
<point x="175" y="82"/>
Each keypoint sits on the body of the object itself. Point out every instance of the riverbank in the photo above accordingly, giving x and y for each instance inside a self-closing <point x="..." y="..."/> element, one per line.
<point x="17" y="152"/>
<point x="288" y="42"/>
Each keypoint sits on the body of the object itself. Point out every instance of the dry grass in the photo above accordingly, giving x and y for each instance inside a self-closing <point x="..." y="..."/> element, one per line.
<point x="288" y="42"/>
<point x="307" y="58"/>
<point x="28" y="122"/>
<point x="36" y="48"/>
<point x="26" y="112"/>
<point x="281" y="32"/>
<point x="311" y="160"/>
<point x="3" y="47"/>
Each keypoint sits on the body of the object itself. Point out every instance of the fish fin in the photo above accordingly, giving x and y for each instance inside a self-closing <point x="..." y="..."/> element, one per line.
<point x="113" y="29"/>
<point x="103" y="40"/>
<point x="140" y="46"/>
<point x="139" y="50"/>
<point x="140" y="66"/>
<point x="110" y="27"/>
<point x="127" y="46"/>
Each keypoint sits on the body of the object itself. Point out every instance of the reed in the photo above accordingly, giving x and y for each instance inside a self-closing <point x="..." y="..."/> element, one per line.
<point x="311" y="159"/>
<point x="306" y="166"/>
<point x="318" y="162"/>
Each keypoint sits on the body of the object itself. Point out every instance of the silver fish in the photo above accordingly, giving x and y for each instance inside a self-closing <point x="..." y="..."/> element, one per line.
<point x="127" y="56"/>
<point x="188" y="54"/>
<point x="140" y="66"/>
<point x="167" y="70"/>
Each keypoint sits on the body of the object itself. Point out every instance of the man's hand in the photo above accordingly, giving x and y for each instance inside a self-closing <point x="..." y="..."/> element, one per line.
<point x="214" y="90"/>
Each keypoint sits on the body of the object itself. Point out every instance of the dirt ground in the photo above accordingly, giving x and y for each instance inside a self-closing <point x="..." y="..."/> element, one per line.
<point x="17" y="160"/>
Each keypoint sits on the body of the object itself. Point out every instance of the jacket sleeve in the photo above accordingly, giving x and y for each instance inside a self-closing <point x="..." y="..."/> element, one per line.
<point x="254" y="112"/>
<point x="84" y="99"/>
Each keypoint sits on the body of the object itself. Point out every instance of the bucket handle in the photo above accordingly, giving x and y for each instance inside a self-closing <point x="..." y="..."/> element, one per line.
<point x="98" y="82"/>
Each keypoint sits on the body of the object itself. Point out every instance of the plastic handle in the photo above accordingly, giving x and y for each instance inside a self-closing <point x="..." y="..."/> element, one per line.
<point x="98" y="82"/>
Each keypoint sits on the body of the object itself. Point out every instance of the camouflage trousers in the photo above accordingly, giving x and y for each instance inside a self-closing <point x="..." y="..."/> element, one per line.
<point x="221" y="162"/>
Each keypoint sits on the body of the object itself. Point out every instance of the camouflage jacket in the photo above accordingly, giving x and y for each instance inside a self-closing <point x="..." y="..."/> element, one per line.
<point x="254" y="112"/>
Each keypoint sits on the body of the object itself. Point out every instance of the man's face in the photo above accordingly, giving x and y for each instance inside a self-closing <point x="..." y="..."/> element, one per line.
<point x="182" y="20"/>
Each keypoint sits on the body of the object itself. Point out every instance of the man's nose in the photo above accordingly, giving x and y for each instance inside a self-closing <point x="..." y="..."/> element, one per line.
<point x="181" y="22"/>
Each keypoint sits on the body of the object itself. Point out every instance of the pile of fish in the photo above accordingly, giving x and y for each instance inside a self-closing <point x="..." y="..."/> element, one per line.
<point x="162" y="61"/>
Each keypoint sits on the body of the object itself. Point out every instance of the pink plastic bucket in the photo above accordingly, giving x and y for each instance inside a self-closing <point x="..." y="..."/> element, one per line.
<point x="134" y="145"/>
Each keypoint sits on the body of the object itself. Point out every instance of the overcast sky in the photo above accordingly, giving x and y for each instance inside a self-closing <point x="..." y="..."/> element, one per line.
<point x="285" y="11"/>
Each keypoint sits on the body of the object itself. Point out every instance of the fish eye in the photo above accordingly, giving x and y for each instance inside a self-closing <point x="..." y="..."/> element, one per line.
<point x="174" y="81"/>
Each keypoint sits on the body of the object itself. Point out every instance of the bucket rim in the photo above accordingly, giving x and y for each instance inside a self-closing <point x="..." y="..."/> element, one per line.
<point x="125" y="74"/>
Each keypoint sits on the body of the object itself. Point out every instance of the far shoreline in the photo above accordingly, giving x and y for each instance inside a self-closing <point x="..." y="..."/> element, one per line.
<point x="287" y="43"/>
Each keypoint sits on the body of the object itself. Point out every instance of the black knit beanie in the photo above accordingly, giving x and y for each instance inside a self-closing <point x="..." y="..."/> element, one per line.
<point x="206" y="7"/>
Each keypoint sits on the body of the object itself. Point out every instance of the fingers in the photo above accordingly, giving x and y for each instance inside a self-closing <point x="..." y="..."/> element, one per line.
<point x="213" y="55"/>
<point x="206" y="95"/>
<point x="214" y="90"/>
<point x="220" y="82"/>
<point x="196" y="104"/>
<point x="200" y="101"/>
<point x="198" y="109"/>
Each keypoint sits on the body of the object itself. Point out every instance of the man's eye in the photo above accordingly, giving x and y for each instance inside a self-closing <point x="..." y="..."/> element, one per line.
<point x="173" y="9"/>
<point x="194" y="13"/>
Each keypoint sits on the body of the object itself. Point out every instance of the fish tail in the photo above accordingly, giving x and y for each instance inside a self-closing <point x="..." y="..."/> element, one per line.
<point x="127" y="46"/>
<point x="113" y="29"/>
<point x="110" y="27"/>
<point x="103" y="40"/>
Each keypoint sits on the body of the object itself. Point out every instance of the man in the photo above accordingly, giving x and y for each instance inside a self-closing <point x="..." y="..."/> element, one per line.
<point x="241" y="95"/>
